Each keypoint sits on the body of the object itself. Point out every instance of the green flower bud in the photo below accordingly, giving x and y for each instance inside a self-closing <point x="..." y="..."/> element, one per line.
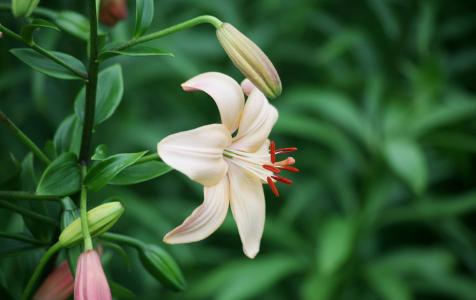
<point x="162" y="266"/>
<point x="24" y="8"/>
<point x="250" y="60"/>
<point x="100" y="220"/>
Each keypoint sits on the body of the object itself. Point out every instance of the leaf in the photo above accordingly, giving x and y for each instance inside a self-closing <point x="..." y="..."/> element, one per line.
<point x="28" y="29"/>
<point x="335" y="244"/>
<point x="67" y="135"/>
<point x="62" y="177"/>
<point x="109" y="95"/>
<point x="24" y="8"/>
<point x="121" y="292"/>
<point x="246" y="279"/>
<point x="136" y="51"/>
<point x="69" y="214"/>
<point x="74" y="24"/>
<point x="102" y="173"/>
<point x="46" y="66"/>
<point x="407" y="160"/>
<point x="141" y="172"/>
<point x="100" y="153"/>
<point x="144" y="16"/>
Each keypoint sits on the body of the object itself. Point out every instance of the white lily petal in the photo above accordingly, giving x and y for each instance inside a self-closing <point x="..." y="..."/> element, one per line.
<point x="256" y="123"/>
<point x="248" y="207"/>
<point x="226" y="93"/>
<point x="197" y="153"/>
<point x="206" y="218"/>
<point x="247" y="86"/>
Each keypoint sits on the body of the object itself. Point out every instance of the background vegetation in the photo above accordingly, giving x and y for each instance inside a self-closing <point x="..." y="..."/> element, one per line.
<point x="379" y="96"/>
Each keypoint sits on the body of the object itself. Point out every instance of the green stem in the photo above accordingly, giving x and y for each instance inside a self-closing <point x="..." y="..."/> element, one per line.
<point x="91" y="85"/>
<point x="123" y="239"/>
<point x="20" y="195"/>
<point x="39" y="270"/>
<point x="22" y="237"/>
<point x="161" y="33"/>
<point x="83" y="205"/>
<point x="42" y="51"/>
<point x="28" y="213"/>
<point x="24" y="138"/>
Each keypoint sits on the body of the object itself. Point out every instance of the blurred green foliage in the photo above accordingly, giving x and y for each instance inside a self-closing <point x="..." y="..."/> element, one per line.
<point x="380" y="98"/>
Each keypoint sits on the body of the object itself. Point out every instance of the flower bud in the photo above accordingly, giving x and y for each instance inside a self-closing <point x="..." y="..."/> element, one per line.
<point x="24" y="8"/>
<point x="112" y="11"/>
<point x="90" y="281"/>
<point x="250" y="60"/>
<point x="57" y="286"/>
<point x="162" y="266"/>
<point x="100" y="220"/>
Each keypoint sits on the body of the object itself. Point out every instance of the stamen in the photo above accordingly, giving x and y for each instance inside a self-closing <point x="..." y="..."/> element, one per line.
<point x="272" y="151"/>
<point x="282" y="179"/>
<point x="286" y="162"/>
<point x="271" y="168"/>
<point x="286" y="150"/>
<point x="273" y="187"/>
<point x="290" y="169"/>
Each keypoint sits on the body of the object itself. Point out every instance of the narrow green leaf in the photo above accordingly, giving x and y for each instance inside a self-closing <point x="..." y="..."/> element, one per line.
<point x="100" y="153"/>
<point x="24" y="8"/>
<point x="144" y="16"/>
<point x="335" y="244"/>
<point x="67" y="137"/>
<point x="74" y="24"/>
<point x="28" y="29"/>
<point x="136" y="51"/>
<point x="121" y="292"/>
<point x="102" y="173"/>
<point x="407" y="160"/>
<point x="46" y="66"/>
<point x="141" y="172"/>
<point x="62" y="177"/>
<point x="109" y="95"/>
<point x="69" y="214"/>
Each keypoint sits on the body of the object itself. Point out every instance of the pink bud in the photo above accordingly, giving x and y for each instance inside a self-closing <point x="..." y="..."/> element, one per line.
<point x="112" y="11"/>
<point x="58" y="285"/>
<point x="91" y="282"/>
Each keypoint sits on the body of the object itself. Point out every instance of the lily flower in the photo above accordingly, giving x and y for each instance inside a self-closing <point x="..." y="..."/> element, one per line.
<point x="58" y="285"/>
<point x="90" y="281"/>
<point x="232" y="160"/>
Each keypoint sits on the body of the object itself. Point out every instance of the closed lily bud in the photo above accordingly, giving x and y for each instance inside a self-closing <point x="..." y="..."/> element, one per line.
<point x="24" y="8"/>
<point x="250" y="60"/>
<point x="100" y="220"/>
<point x="58" y="285"/>
<point x="90" y="281"/>
<point x="162" y="266"/>
<point x="112" y="11"/>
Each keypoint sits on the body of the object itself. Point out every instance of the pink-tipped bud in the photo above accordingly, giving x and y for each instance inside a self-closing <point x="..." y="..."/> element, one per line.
<point x="250" y="60"/>
<point x="58" y="285"/>
<point x="91" y="282"/>
<point x="112" y="11"/>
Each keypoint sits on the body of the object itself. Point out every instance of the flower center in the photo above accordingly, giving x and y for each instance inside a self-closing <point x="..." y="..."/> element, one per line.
<point x="263" y="164"/>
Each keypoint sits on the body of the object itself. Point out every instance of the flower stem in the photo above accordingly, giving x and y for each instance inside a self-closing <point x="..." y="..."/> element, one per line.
<point x="42" y="51"/>
<point x="91" y="85"/>
<point x="158" y="34"/>
<point x="24" y="138"/>
<point x="28" y="213"/>
<point x="123" y="239"/>
<point x="20" y="195"/>
<point x="39" y="270"/>
<point x="88" y="242"/>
